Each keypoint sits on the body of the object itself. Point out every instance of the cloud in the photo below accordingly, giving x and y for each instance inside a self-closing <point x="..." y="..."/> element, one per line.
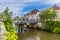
<point x="50" y="1"/>
<point x="17" y="6"/>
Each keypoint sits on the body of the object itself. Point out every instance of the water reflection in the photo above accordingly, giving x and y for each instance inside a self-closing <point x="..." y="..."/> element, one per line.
<point x="38" y="35"/>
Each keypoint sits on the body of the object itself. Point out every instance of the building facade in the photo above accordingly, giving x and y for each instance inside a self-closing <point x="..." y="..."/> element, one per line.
<point x="57" y="10"/>
<point x="33" y="15"/>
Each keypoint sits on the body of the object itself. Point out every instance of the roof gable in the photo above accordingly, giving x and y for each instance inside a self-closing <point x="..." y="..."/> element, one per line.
<point x="56" y="7"/>
<point x="32" y="12"/>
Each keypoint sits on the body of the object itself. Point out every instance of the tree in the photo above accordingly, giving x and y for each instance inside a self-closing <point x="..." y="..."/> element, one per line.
<point x="47" y="18"/>
<point x="47" y="15"/>
<point x="11" y="31"/>
<point x="7" y="20"/>
<point x="1" y="16"/>
<point x="17" y="18"/>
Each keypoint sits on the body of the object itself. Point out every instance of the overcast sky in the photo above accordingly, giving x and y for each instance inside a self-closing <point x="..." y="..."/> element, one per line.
<point x="21" y="7"/>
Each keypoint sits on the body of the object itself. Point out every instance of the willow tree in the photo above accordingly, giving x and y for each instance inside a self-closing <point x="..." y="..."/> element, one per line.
<point x="47" y="15"/>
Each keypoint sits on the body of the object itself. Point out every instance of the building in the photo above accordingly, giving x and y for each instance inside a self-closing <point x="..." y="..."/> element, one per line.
<point x="32" y="16"/>
<point x="57" y="10"/>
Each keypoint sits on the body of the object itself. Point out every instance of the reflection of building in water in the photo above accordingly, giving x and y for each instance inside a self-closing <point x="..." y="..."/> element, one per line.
<point x="37" y="38"/>
<point x="33" y="38"/>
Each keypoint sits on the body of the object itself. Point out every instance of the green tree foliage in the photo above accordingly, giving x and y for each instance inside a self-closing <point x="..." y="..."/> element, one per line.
<point x="10" y="35"/>
<point x="7" y="20"/>
<point x="53" y="26"/>
<point x="11" y="31"/>
<point x="47" y="19"/>
<point x="1" y="16"/>
<point x="17" y="18"/>
<point x="46" y="15"/>
<point x="56" y="30"/>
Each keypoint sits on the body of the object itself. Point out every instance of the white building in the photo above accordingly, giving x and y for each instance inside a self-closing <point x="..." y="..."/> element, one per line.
<point x="57" y="10"/>
<point x="33" y="15"/>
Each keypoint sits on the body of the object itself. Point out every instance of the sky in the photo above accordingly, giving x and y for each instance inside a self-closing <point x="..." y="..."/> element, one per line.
<point x="21" y="7"/>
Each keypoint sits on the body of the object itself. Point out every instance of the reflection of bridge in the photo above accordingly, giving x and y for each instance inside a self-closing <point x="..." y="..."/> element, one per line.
<point x="29" y="23"/>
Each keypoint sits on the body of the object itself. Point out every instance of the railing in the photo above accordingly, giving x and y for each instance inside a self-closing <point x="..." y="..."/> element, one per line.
<point x="27" y="21"/>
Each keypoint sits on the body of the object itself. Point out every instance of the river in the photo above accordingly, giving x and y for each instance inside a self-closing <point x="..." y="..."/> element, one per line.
<point x="34" y="34"/>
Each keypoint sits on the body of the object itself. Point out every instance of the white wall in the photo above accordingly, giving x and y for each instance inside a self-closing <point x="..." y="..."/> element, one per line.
<point x="34" y="16"/>
<point x="58" y="15"/>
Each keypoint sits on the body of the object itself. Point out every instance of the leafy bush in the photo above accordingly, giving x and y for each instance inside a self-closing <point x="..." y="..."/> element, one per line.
<point x="56" y="30"/>
<point x="53" y="26"/>
<point x="10" y="35"/>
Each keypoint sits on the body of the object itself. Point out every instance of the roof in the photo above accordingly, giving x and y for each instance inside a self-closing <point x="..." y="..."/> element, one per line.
<point x="32" y="12"/>
<point x="56" y="7"/>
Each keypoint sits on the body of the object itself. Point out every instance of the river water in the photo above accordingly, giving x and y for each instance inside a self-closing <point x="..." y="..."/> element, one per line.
<point x="34" y="34"/>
